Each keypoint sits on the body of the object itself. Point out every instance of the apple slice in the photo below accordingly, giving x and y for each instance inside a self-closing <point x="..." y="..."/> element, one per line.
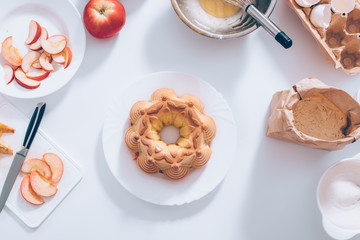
<point x="56" y="166"/>
<point x="29" y="59"/>
<point x="41" y="186"/>
<point x="54" y="44"/>
<point x="36" y="64"/>
<point x="10" y="53"/>
<point x="8" y="73"/>
<point x="60" y="57"/>
<point x="28" y="193"/>
<point x="68" y="57"/>
<point x="25" y="82"/>
<point x="36" y="164"/>
<point x="37" y="74"/>
<point x="45" y="62"/>
<point x="37" y="45"/>
<point x="34" y="32"/>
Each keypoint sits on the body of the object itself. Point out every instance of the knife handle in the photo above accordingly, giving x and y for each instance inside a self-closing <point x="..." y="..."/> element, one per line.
<point x="34" y="124"/>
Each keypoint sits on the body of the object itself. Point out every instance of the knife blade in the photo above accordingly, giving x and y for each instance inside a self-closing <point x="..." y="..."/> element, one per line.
<point x="10" y="179"/>
<point x="21" y="155"/>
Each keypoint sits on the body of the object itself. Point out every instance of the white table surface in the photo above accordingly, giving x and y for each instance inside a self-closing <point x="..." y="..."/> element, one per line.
<point x="270" y="191"/>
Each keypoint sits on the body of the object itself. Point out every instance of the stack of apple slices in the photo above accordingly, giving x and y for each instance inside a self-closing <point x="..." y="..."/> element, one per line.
<point x="44" y="174"/>
<point x="36" y="65"/>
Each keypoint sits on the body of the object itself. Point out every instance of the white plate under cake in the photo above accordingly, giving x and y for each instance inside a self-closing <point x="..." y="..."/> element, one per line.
<point x="156" y="188"/>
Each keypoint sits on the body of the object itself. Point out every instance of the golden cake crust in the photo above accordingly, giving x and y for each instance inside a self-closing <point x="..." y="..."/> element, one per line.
<point x="5" y="148"/>
<point x="196" y="130"/>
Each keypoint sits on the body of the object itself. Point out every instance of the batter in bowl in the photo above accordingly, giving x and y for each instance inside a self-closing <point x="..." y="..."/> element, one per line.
<point x="219" y="8"/>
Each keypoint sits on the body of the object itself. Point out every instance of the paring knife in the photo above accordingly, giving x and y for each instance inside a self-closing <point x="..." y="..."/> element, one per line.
<point x="20" y="155"/>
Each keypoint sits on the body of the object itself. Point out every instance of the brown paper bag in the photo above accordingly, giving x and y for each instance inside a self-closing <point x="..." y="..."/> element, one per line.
<point x="280" y="124"/>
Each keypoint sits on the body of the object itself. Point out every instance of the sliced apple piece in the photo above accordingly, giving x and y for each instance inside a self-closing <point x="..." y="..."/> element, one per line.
<point x="29" y="59"/>
<point x="36" y="64"/>
<point x="41" y="186"/>
<point x="68" y="57"/>
<point x="60" y="57"/>
<point x="10" y="53"/>
<point x="54" y="44"/>
<point x="37" y="45"/>
<point x="56" y="166"/>
<point x="45" y="62"/>
<point x="34" y="32"/>
<point x="28" y="193"/>
<point x="37" y="74"/>
<point x="25" y="82"/>
<point x="36" y="164"/>
<point x="8" y="73"/>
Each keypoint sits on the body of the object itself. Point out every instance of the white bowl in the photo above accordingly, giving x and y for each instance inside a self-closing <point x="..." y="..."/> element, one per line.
<point x="337" y="195"/>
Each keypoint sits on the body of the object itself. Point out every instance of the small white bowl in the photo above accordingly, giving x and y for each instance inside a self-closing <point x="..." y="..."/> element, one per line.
<point x="333" y="206"/>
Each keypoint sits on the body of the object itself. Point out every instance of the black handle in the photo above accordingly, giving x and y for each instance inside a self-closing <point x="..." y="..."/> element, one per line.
<point x="283" y="39"/>
<point x="34" y="124"/>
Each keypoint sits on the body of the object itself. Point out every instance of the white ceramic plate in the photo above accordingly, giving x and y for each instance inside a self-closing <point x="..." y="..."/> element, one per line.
<point x="33" y="215"/>
<point x="156" y="188"/>
<point x="58" y="17"/>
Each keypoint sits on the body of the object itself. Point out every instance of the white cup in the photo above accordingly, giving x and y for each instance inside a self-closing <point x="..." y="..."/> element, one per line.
<point x="336" y="227"/>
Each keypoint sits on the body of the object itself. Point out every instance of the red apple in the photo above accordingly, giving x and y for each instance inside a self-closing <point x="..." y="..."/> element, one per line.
<point x="41" y="186"/>
<point x="28" y="193"/>
<point x="37" y="74"/>
<point x="29" y="59"/>
<point x="10" y="53"/>
<point x="37" y="45"/>
<point x="56" y="165"/>
<point x="39" y="165"/>
<point x="25" y="82"/>
<point x="45" y="62"/>
<point x="8" y="73"/>
<point x="104" y="18"/>
<point x="34" y="32"/>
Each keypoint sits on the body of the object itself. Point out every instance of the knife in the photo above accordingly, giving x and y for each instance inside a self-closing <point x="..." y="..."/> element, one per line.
<point x="20" y="155"/>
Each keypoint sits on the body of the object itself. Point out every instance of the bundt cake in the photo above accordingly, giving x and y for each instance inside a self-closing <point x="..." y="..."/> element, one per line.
<point x="196" y="131"/>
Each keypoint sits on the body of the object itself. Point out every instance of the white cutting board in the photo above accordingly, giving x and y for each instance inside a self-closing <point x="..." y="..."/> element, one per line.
<point x="30" y="214"/>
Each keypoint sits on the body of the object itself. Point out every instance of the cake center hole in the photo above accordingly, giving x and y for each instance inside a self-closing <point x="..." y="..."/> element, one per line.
<point x="170" y="134"/>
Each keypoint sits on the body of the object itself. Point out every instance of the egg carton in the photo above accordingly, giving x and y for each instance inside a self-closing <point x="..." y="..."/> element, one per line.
<point x="340" y="42"/>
